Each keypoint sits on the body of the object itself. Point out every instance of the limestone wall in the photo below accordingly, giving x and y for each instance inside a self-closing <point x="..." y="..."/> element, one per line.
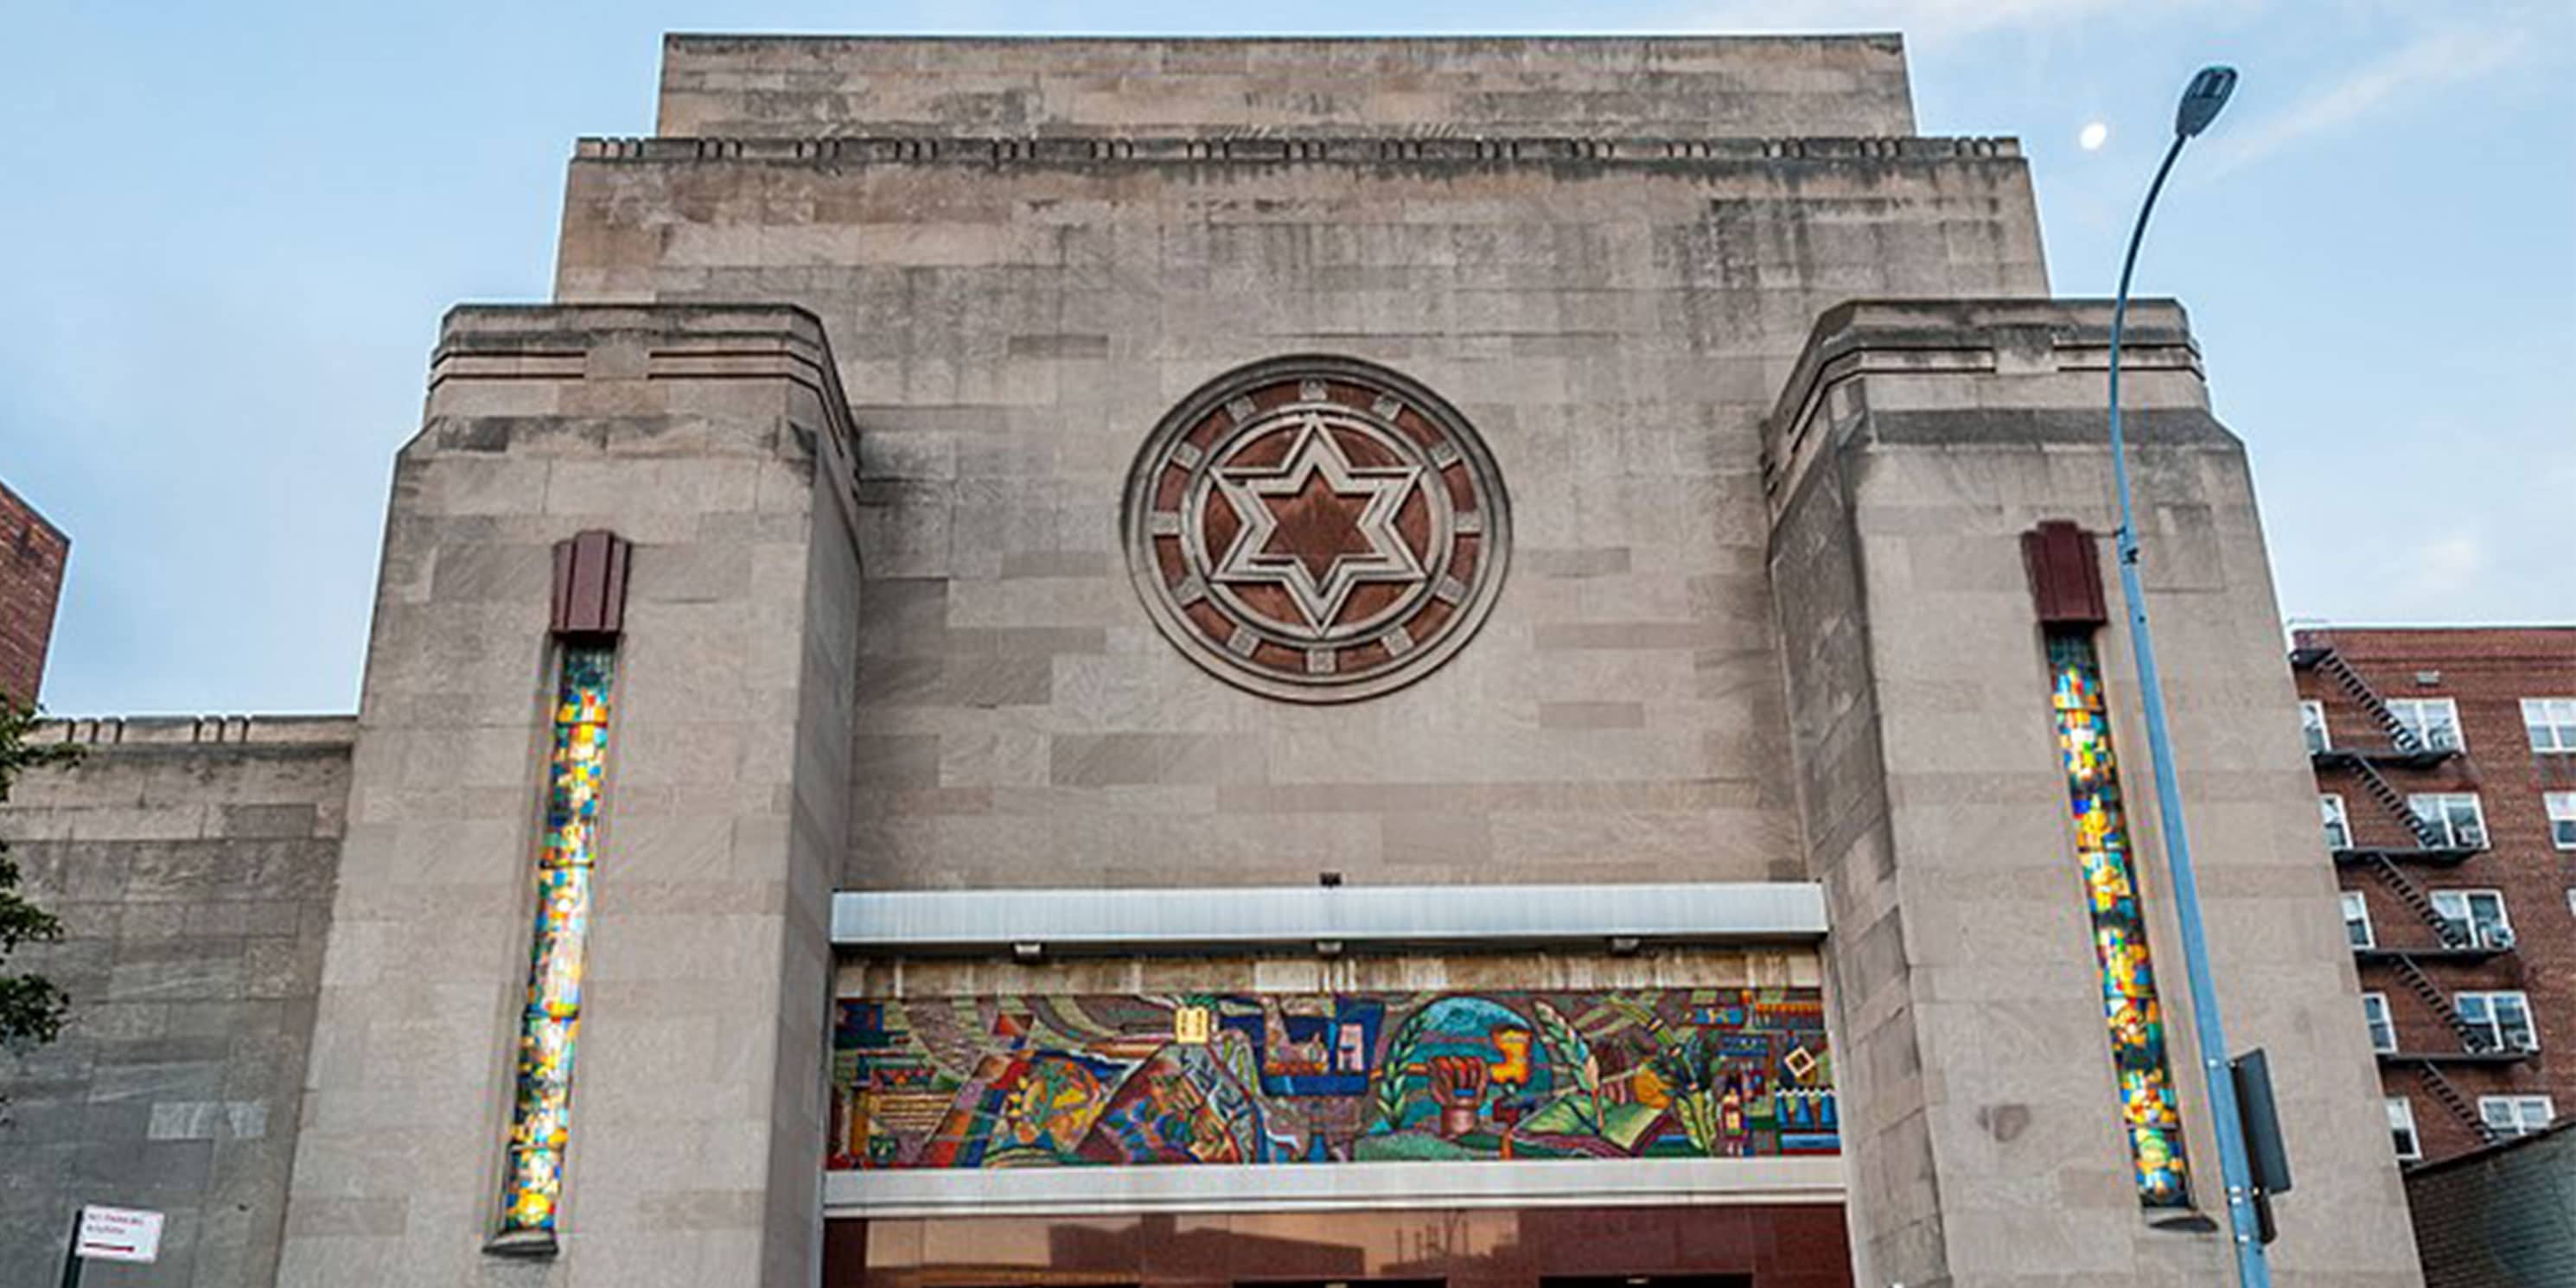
<point x="1916" y="445"/>
<point x="1009" y="333"/>
<point x="759" y="86"/>
<point x="192" y="864"/>
<point x="713" y="440"/>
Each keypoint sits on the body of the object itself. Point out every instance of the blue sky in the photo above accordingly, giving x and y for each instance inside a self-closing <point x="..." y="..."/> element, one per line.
<point x="228" y="233"/>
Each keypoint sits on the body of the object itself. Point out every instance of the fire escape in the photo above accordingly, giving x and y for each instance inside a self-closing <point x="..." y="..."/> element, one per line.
<point x="2434" y="846"/>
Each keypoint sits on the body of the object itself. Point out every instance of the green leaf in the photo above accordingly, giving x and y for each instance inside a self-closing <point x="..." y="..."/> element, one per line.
<point x="32" y="1009"/>
<point x="1625" y="1125"/>
<point x="1561" y="1117"/>
<point x="1572" y="1057"/>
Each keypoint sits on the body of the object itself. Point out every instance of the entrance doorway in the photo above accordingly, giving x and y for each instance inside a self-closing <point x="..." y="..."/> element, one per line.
<point x="1647" y="1281"/>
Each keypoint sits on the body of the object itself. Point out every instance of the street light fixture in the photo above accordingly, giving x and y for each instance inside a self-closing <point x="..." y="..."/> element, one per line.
<point x="2201" y="101"/>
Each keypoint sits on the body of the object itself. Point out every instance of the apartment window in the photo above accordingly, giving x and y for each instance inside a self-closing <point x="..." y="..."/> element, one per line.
<point x="2562" y="818"/>
<point x="2516" y="1115"/>
<point x="2457" y="821"/>
<point x="2435" y="722"/>
<point x="2551" y="722"/>
<point x="2356" y="919"/>
<point x="2312" y="722"/>
<point x="2383" y="1030"/>
<point x="2401" y="1129"/>
<point x="2502" y="1021"/>
<point x="2338" y="826"/>
<point x="2473" y="917"/>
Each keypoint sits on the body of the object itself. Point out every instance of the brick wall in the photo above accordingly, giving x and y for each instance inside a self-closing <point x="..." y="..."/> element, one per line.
<point x="32" y="553"/>
<point x="2501" y="1218"/>
<point x="2486" y="672"/>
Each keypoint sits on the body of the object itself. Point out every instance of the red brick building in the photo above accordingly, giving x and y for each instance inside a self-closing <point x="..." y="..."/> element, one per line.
<point x="32" y="553"/>
<point x="2446" y="771"/>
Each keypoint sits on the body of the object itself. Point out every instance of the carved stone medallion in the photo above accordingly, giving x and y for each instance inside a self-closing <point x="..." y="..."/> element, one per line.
<point x="1317" y="529"/>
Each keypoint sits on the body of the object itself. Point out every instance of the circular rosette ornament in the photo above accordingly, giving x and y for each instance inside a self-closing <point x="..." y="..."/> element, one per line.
<point x="1316" y="529"/>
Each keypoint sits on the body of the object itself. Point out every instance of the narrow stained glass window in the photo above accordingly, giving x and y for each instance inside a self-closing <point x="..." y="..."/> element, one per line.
<point x="540" y="1125"/>
<point x="2149" y="1111"/>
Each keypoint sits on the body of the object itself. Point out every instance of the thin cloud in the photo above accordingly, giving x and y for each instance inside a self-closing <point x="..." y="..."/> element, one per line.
<point x="2438" y="58"/>
<point x="2435" y="573"/>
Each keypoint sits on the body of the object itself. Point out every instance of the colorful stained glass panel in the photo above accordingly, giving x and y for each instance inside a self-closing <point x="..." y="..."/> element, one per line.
<point x="2148" y="1109"/>
<point x="541" y="1122"/>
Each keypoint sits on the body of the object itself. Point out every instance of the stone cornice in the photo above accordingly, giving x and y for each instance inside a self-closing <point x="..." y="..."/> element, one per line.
<point x="1273" y="149"/>
<point x="128" y="732"/>
<point x="1956" y="337"/>
<point x="705" y="342"/>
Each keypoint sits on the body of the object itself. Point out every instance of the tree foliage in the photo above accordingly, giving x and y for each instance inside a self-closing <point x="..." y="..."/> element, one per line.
<point x="32" y="1008"/>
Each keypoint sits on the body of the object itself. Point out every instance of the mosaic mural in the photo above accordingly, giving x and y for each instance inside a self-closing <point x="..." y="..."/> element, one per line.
<point x="541" y="1123"/>
<point x="2129" y="1006"/>
<point x="1339" y="1078"/>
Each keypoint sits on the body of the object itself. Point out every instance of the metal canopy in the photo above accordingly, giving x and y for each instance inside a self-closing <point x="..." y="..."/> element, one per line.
<point x="929" y="921"/>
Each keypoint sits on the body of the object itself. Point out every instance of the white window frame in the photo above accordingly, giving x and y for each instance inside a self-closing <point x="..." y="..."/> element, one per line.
<point x="2402" y="1136"/>
<point x="2418" y="709"/>
<point x="2511" y="1116"/>
<point x="2550" y="724"/>
<point x="2460" y="908"/>
<point x="2376" y="1015"/>
<point x="2312" y="726"/>
<point x="2479" y="1009"/>
<point x="2435" y="808"/>
<point x="2561" y="808"/>
<point x="2356" y="914"/>
<point x="2336" y="820"/>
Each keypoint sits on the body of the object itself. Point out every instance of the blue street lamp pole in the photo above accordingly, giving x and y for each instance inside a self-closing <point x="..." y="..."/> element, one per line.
<point x="2201" y="100"/>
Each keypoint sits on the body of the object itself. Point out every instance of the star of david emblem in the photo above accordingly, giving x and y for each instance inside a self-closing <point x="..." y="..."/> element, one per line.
<point x="1316" y="529"/>
<point x="1317" y="525"/>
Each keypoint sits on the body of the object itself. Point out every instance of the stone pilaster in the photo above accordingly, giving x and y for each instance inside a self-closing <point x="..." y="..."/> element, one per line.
<point x="1912" y="446"/>
<point x="715" y="439"/>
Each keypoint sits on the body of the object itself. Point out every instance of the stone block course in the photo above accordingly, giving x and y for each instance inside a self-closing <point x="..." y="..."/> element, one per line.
<point x="1772" y="394"/>
<point x="194" y="879"/>
<point x="1959" y="781"/>
<point x="993" y="465"/>
<point x="541" y="422"/>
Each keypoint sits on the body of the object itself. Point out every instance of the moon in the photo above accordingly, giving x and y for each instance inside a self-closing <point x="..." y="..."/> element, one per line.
<point x="2093" y="136"/>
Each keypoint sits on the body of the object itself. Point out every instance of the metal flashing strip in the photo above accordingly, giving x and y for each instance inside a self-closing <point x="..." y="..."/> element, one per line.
<point x="1555" y="1183"/>
<point x="950" y="921"/>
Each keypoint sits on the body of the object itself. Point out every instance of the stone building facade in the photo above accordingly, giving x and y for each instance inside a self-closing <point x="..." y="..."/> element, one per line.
<point x="2446" y="770"/>
<point x="1200" y="661"/>
<point x="191" y="864"/>
<point x="32" y="555"/>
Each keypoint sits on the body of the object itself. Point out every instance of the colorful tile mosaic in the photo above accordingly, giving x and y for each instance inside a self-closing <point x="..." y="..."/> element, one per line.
<point x="541" y="1125"/>
<point x="1233" y="1079"/>
<point x="2149" y="1112"/>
